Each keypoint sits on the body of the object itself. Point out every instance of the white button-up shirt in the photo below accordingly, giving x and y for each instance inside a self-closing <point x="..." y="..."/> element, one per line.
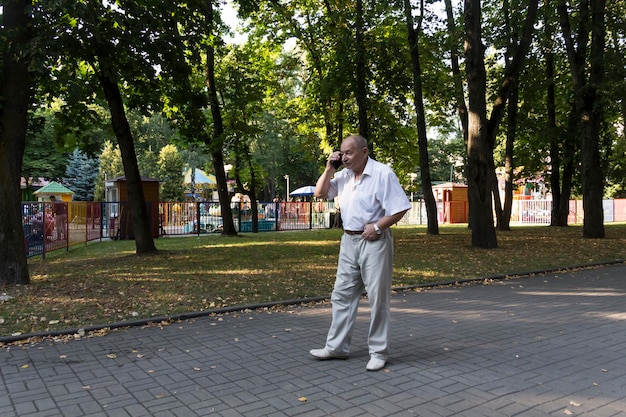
<point x="376" y="194"/>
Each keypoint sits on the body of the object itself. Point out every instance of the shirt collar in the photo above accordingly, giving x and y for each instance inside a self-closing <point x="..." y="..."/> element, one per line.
<point x="367" y="170"/>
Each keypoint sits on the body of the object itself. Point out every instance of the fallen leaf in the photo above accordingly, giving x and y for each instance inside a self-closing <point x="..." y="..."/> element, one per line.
<point x="111" y="356"/>
<point x="574" y="404"/>
<point x="87" y="387"/>
<point x="24" y="366"/>
<point x="196" y="369"/>
<point x="567" y="412"/>
<point x="303" y="399"/>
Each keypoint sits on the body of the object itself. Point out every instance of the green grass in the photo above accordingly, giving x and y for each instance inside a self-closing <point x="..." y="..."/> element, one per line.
<point x="105" y="282"/>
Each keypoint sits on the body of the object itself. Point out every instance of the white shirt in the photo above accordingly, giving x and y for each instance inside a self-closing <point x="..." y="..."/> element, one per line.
<point x="376" y="194"/>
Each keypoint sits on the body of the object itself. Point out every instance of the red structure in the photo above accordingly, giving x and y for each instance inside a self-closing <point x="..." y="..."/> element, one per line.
<point x="452" y="201"/>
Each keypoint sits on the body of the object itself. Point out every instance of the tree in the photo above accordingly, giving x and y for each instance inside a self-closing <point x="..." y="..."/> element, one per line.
<point x="418" y="100"/>
<point x="458" y="94"/>
<point x="42" y="157"/>
<point x="80" y="175"/>
<point x="16" y="38"/>
<point x="587" y="101"/>
<point x="360" y="59"/>
<point x="144" y="242"/>
<point x="215" y="141"/>
<point x="482" y="131"/>
<point x="170" y="167"/>
<point x="562" y="148"/>
<point x="117" y="50"/>
<point x="110" y="167"/>
<point x="245" y="76"/>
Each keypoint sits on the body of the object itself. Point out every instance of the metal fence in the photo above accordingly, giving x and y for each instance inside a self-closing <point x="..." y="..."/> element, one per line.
<point x="197" y="218"/>
<point x="44" y="231"/>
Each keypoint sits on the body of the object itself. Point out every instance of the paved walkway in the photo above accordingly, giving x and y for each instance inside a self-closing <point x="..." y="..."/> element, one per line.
<point x="550" y="345"/>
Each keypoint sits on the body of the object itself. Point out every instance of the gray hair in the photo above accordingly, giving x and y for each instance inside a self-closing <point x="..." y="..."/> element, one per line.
<point x="359" y="141"/>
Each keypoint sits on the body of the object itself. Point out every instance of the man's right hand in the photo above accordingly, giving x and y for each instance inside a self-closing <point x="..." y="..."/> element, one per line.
<point x="335" y="156"/>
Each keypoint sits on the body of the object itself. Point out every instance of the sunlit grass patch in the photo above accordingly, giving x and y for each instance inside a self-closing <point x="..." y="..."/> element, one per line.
<point x="106" y="282"/>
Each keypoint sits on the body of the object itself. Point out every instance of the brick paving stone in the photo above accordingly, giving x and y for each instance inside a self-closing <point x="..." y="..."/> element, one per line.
<point x="525" y="347"/>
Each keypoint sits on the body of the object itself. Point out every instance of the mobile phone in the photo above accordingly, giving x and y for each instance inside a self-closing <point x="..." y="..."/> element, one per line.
<point x="338" y="162"/>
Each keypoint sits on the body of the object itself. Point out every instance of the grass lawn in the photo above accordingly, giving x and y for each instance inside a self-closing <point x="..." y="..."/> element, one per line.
<point x="105" y="282"/>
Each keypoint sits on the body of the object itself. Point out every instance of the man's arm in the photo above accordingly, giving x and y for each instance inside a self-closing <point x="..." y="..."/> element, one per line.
<point x="369" y="232"/>
<point x="323" y="182"/>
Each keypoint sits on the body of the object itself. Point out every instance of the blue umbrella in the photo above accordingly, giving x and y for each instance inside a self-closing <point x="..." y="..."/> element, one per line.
<point x="200" y="177"/>
<point x="303" y="191"/>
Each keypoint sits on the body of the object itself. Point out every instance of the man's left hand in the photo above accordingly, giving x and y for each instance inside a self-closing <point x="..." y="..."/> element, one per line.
<point x="369" y="233"/>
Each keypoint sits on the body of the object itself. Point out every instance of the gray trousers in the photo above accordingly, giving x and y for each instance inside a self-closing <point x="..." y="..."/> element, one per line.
<point x="363" y="265"/>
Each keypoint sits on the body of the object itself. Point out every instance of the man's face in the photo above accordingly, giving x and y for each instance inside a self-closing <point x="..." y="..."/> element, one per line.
<point x="353" y="157"/>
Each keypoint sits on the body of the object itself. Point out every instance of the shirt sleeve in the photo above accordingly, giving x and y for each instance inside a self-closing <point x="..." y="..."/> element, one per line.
<point x="392" y="197"/>
<point x="336" y="183"/>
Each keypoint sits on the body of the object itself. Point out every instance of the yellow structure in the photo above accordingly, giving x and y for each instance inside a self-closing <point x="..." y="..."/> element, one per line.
<point x="61" y="192"/>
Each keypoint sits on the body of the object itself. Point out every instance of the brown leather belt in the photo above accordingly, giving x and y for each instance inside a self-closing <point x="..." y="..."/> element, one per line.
<point x="353" y="232"/>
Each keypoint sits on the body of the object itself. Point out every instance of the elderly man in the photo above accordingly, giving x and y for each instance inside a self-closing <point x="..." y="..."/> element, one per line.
<point x="371" y="200"/>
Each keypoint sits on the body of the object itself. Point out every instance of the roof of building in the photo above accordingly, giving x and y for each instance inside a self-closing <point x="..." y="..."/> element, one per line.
<point x="54" y="188"/>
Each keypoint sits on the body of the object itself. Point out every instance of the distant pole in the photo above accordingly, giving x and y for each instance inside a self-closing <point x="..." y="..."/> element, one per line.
<point x="287" y="178"/>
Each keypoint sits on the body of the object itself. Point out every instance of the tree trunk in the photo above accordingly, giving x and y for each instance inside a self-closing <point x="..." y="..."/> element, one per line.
<point x="361" y="81"/>
<point x="15" y="99"/>
<point x="592" y="175"/>
<point x="504" y="220"/>
<point x="503" y="211"/>
<point x="243" y="156"/>
<point x="497" y="201"/>
<point x="459" y="97"/>
<point x="142" y="228"/>
<point x="479" y="174"/>
<point x="587" y="104"/>
<point x="418" y="100"/>
<point x="555" y="153"/>
<point x="215" y="142"/>
<point x="482" y="132"/>
<point x="560" y="211"/>
<point x="458" y="93"/>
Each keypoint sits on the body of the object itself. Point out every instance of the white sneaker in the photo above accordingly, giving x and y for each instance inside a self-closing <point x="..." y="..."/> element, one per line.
<point x="375" y="364"/>
<point x="325" y="354"/>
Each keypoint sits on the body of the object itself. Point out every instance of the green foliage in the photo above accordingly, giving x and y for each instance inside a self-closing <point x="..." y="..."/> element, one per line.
<point x="42" y="158"/>
<point x="171" y="174"/>
<point x="110" y="167"/>
<point x="80" y="175"/>
<point x="284" y="108"/>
